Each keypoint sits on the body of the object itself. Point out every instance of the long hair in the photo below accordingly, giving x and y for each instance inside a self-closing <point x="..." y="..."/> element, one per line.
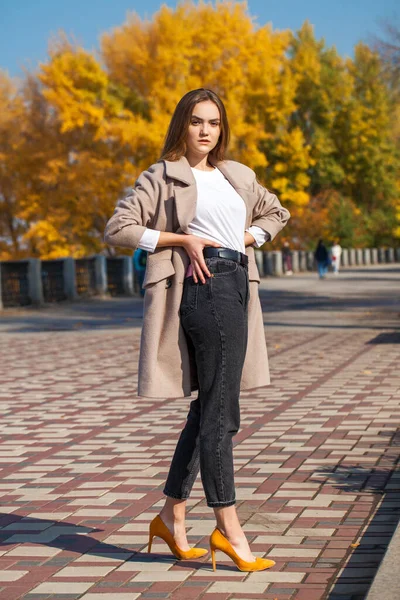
<point x="175" y="140"/>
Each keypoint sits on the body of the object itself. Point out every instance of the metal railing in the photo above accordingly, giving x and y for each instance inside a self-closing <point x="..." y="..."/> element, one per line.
<point x="33" y="281"/>
<point x="85" y="273"/>
<point x="115" y="276"/>
<point x="53" y="280"/>
<point x="15" y="283"/>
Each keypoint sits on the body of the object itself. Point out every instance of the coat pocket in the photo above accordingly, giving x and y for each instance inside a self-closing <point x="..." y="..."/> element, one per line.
<point x="159" y="266"/>
<point x="254" y="275"/>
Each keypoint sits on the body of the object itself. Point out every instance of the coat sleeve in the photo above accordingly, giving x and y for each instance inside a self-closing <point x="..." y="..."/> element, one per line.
<point x="134" y="213"/>
<point x="268" y="213"/>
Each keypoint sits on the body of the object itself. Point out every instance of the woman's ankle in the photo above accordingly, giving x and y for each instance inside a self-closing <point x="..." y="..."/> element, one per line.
<point x="228" y="523"/>
<point x="234" y="536"/>
<point x="173" y="511"/>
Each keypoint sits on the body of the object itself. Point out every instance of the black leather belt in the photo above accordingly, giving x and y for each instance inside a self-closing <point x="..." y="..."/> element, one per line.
<point x="210" y="252"/>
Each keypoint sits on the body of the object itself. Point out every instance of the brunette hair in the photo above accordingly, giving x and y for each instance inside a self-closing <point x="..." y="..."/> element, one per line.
<point x="175" y="140"/>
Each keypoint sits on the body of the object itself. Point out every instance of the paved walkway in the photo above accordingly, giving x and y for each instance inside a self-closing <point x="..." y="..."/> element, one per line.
<point x="83" y="460"/>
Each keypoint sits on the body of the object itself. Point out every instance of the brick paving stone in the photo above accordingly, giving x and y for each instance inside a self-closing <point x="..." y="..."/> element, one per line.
<point x="310" y="594"/>
<point x="161" y="576"/>
<point x="164" y="587"/>
<point x="123" y="596"/>
<point x="217" y="595"/>
<point x="36" y="597"/>
<point x="242" y="587"/>
<point x="186" y="593"/>
<point x="13" y="593"/>
<point x="11" y="575"/>
<point x="83" y="462"/>
<point x="318" y="578"/>
<point x="79" y="571"/>
<point x="57" y="587"/>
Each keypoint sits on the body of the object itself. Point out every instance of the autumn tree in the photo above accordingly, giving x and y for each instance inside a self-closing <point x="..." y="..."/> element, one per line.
<point x="367" y="151"/>
<point x="81" y="137"/>
<point x="11" y="165"/>
<point x="198" y="46"/>
<point x="388" y="47"/>
<point x="317" y="129"/>
<point x="344" y="112"/>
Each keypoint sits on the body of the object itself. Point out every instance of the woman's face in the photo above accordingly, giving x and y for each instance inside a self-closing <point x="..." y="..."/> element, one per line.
<point x="204" y="129"/>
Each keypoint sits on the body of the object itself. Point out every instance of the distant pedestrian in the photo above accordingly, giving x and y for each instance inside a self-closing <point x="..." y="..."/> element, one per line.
<point x="336" y="253"/>
<point x="287" y="259"/>
<point x="322" y="259"/>
<point x="139" y="266"/>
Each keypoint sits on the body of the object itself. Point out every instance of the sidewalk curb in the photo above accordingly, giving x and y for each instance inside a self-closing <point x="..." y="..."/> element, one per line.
<point x="386" y="583"/>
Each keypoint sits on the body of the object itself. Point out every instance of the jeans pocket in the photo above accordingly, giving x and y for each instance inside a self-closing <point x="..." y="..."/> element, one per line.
<point x="189" y="297"/>
<point x="222" y="267"/>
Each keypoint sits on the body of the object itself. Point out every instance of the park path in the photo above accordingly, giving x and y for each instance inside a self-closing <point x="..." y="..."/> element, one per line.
<point x="83" y="460"/>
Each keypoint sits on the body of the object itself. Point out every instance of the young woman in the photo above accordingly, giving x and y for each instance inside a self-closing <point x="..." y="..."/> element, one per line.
<point x="199" y="216"/>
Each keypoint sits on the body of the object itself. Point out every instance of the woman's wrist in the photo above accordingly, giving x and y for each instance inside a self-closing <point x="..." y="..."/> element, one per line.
<point x="171" y="239"/>
<point x="249" y="240"/>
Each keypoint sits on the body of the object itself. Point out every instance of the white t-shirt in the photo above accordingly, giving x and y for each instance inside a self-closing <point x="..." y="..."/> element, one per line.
<point x="220" y="215"/>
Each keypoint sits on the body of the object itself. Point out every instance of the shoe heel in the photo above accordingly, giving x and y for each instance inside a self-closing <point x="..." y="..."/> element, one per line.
<point x="214" y="564"/>
<point x="152" y="534"/>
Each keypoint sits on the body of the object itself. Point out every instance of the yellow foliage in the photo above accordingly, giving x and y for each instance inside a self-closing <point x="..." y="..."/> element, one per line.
<point x="197" y="46"/>
<point x="50" y="242"/>
<point x="78" y="132"/>
<point x="289" y="174"/>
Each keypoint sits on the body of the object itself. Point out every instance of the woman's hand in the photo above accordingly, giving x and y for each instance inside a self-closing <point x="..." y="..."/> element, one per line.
<point x="194" y="246"/>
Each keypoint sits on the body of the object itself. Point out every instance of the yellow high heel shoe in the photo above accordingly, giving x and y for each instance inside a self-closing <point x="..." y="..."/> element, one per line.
<point x="159" y="529"/>
<point x="219" y="542"/>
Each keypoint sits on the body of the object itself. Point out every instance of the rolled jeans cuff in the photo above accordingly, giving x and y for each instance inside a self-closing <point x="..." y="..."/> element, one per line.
<point x="221" y="504"/>
<point x="175" y="496"/>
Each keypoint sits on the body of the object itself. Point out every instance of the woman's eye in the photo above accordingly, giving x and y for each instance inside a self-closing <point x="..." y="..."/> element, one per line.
<point x="195" y="122"/>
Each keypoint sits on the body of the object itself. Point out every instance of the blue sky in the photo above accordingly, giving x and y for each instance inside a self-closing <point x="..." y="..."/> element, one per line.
<point x="27" y="25"/>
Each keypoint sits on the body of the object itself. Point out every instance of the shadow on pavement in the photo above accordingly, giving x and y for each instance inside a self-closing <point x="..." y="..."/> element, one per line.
<point x="278" y="300"/>
<point x="363" y="561"/>
<point x="392" y="337"/>
<point x="73" y="538"/>
<point x="54" y="534"/>
<point x="373" y="270"/>
<point x="96" y="314"/>
<point x="342" y="326"/>
<point x="127" y="312"/>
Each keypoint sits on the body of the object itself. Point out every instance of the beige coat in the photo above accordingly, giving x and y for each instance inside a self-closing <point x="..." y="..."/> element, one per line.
<point x="164" y="198"/>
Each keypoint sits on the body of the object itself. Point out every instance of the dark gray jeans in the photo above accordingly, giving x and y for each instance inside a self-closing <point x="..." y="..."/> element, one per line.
<point x="214" y="318"/>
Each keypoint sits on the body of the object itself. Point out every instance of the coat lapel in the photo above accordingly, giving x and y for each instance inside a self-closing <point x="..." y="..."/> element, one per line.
<point x="230" y="173"/>
<point x="185" y="205"/>
<point x="186" y="194"/>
